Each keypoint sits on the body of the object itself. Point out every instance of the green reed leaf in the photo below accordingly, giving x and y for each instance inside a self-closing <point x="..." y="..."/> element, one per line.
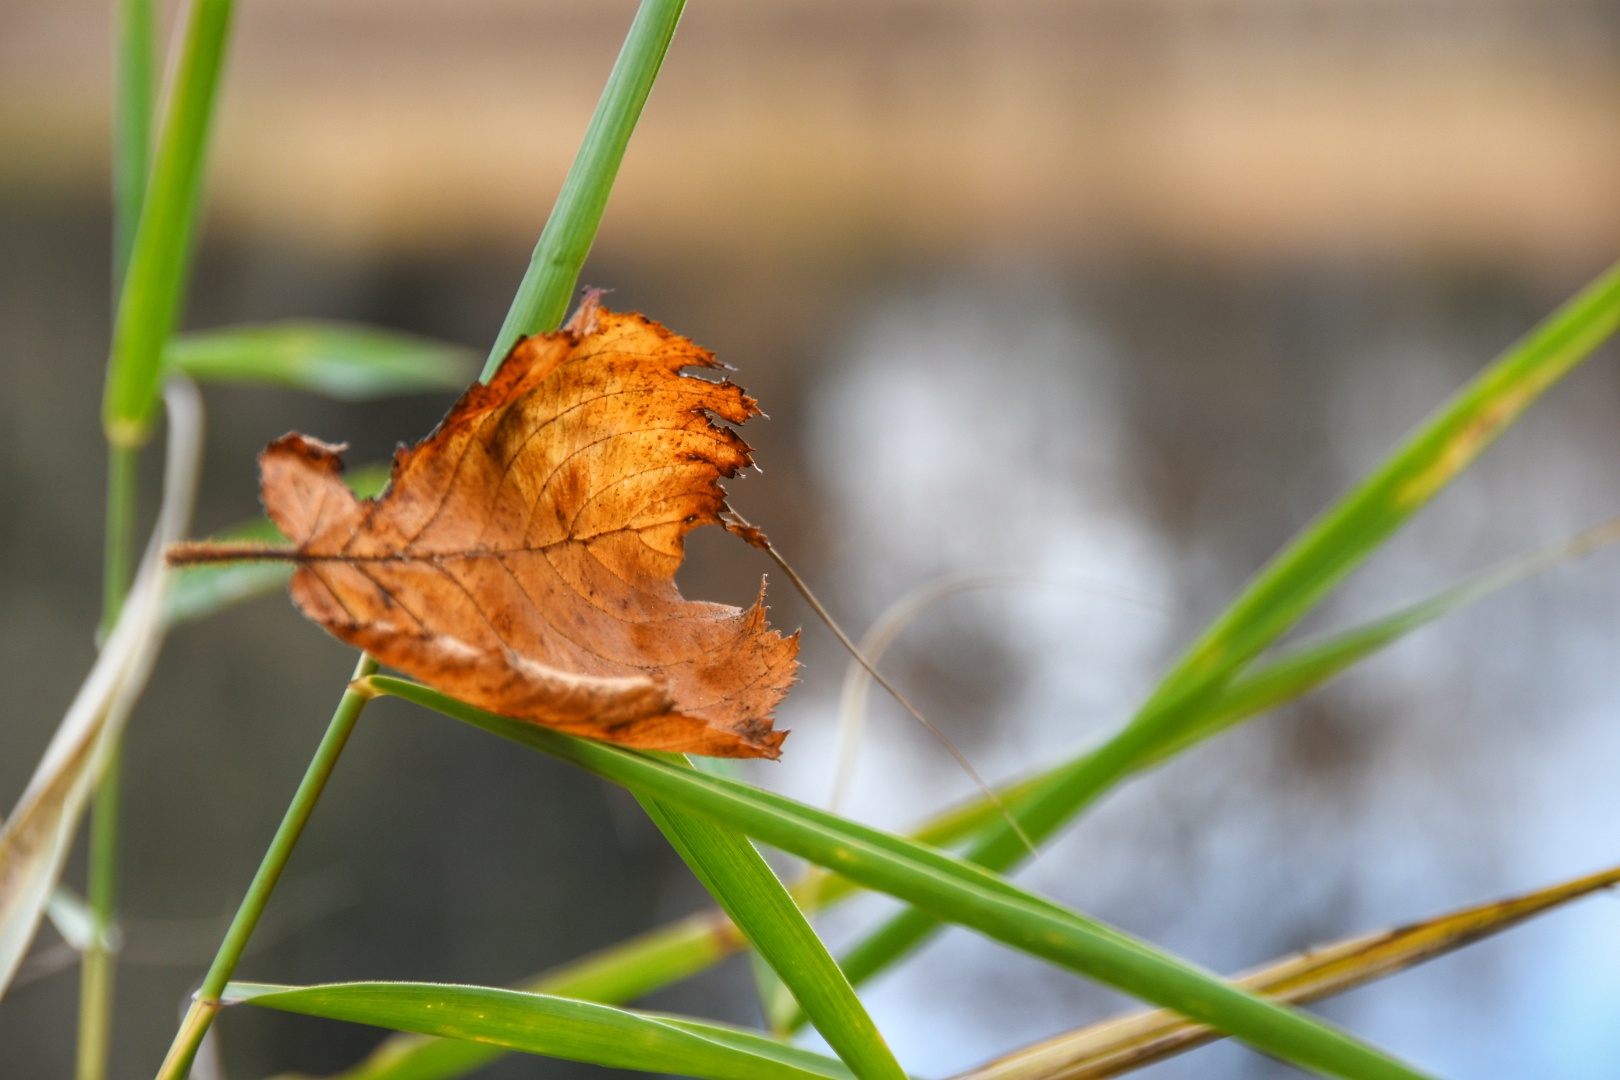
<point x="339" y="360"/>
<point x="553" y="1026"/>
<point x="553" y="271"/>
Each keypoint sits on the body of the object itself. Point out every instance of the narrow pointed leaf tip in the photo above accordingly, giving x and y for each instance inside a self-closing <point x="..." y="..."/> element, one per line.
<point x="523" y="556"/>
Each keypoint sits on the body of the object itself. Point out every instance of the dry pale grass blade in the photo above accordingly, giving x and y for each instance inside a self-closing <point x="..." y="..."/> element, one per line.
<point x="36" y="838"/>
<point x="523" y="556"/>
<point x="1130" y="1042"/>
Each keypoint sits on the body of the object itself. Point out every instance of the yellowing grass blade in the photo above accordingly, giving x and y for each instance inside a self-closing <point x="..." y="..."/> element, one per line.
<point x="1130" y="1042"/>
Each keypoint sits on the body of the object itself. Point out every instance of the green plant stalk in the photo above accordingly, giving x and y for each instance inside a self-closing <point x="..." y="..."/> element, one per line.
<point x="133" y="95"/>
<point x="99" y="961"/>
<point x="208" y="1000"/>
<point x="160" y="256"/>
<point x="548" y="284"/>
<point x="98" y="964"/>
<point x="118" y="553"/>
<point x="1337" y="542"/>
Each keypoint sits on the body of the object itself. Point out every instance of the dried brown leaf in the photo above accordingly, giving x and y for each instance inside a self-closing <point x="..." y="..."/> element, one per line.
<point x="523" y="556"/>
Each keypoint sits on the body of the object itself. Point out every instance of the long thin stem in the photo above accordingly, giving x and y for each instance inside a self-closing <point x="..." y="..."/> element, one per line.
<point x="118" y="563"/>
<point x="554" y="269"/>
<point x="134" y="91"/>
<point x="97" y="967"/>
<point x="206" y="1003"/>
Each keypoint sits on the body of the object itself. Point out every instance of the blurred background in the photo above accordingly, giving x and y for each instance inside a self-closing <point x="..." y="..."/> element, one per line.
<point x="1106" y="295"/>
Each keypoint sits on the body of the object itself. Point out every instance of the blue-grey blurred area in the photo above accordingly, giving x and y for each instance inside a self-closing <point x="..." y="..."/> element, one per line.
<point x="1099" y="300"/>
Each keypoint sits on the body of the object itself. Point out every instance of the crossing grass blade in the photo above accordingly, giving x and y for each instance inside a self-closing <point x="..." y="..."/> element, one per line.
<point x="552" y="1026"/>
<point x="949" y="889"/>
<point x="160" y="256"/>
<point x="196" y="592"/>
<point x="1126" y="1043"/>
<point x="553" y="271"/>
<point x="750" y="893"/>
<point x="1294" y="582"/>
<point x="768" y="986"/>
<point x="340" y="360"/>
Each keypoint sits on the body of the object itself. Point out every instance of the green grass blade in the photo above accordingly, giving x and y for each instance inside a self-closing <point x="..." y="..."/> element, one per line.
<point x="615" y="975"/>
<point x="750" y="893"/>
<point x="950" y="889"/>
<point x="1343" y="537"/>
<point x="553" y="1026"/>
<point x="339" y="360"/>
<point x="1303" y="669"/>
<point x="196" y="592"/>
<point x="759" y="1043"/>
<point x="548" y="284"/>
<point x="161" y="255"/>
<point x="767" y="984"/>
<point x="1340" y="540"/>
